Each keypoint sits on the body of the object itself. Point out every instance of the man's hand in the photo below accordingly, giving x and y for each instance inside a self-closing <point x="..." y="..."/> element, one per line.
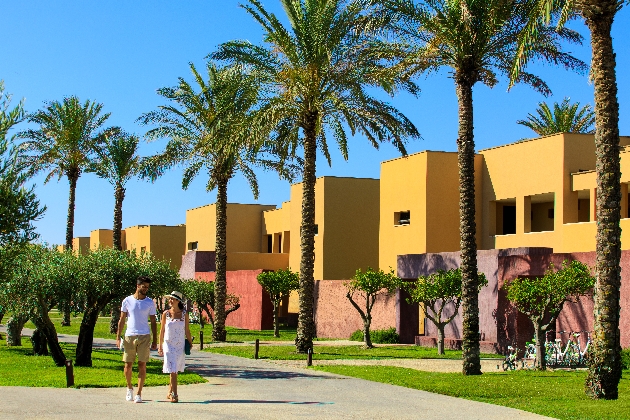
<point x="154" y="346"/>
<point x="117" y="342"/>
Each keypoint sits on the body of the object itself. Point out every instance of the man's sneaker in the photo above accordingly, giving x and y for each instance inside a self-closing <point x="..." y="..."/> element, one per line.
<point x="138" y="399"/>
<point x="129" y="394"/>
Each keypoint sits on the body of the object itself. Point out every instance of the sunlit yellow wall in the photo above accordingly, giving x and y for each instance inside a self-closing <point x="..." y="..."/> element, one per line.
<point x="347" y="214"/>
<point x="562" y="165"/>
<point x="101" y="238"/>
<point x="403" y="188"/>
<point x="296" y="221"/>
<point x="244" y="225"/>
<point x="164" y="242"/>
<point x="256" y="261"/>
<point x="277" y="223"/>
<point x="427" y="185"/>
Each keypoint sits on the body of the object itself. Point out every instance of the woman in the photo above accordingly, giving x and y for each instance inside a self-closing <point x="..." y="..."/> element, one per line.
<point x="174" y="329"/>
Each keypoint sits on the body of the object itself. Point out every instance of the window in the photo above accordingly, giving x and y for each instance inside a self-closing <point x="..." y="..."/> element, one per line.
<point x="143" y="249"/>
<point x="509" y="220"/>
<point x="402" y="218"/>
<point x="269" y="244"/>
<point x="192" y="246"/>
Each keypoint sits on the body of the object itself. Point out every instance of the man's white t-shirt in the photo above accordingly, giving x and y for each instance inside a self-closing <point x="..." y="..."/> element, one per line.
<point x="138" y="312"/>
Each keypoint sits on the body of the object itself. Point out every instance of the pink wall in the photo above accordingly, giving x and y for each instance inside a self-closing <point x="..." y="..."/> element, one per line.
<point x="335" y="317"/>
<point x="256" y="311"/>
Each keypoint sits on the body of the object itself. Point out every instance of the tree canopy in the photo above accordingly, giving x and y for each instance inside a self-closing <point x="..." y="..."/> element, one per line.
<point x="566" y="117"/>
<point x="438" y="291"/>
<point x="542" y="298"/>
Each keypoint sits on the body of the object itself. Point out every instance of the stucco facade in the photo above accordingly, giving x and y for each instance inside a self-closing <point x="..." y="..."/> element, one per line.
<point x="164" y="242"/>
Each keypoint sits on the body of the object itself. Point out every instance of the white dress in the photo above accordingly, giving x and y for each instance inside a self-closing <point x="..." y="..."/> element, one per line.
<point x="174" y="336"/>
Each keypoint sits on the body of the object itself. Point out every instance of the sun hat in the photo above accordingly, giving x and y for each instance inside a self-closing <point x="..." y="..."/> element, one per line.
<point x="176" y="295"/>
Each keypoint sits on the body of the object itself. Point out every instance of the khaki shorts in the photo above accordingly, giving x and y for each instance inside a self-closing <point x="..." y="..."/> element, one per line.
<point x="137" y="345"/>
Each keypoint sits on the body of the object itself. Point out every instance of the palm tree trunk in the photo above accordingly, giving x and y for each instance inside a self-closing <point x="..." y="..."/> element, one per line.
<point x="73" y="176"/>
<point x="218" y="332"/>
<point x="117" y="233"/>
<point x="306" y="323"/>
<point x="605" y="367"/>
<point x="467" y="228"/>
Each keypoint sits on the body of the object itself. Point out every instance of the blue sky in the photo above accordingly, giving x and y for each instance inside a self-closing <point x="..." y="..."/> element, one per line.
<point x="119" y="52"/>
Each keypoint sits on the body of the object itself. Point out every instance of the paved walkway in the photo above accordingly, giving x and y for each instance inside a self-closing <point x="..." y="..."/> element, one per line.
<point x="239" y="388"/>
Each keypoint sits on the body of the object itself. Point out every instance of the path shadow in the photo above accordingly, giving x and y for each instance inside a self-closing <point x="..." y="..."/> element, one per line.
<point x="249" y="373"/>
<point x="251" y="402"/>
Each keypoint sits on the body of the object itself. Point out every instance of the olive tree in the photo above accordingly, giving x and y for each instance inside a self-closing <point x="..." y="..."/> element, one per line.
<point x="367" y="287"/>
<point x="438" y="291"/>
<point x="108" y="275"/>
<point x="542" y="298"/>
<point x="279" y="284"/>
<point x="39" y="276"/>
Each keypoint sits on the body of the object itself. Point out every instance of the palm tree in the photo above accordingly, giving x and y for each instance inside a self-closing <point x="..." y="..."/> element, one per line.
<point x="209" y="128"/>
<point x="565" y="118"/>
<point x="117" y="161"/>
<point x="602" y="381"/>
<point x="64" y="144"/>
<point x="475" y="40"/>
<point x="316" y="73"/>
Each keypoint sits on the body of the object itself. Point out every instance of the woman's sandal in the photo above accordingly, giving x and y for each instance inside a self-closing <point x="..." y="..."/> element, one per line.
<point x="174" y="398"/>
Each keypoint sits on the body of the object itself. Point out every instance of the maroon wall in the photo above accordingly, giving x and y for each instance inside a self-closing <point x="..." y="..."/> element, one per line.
<point x="500" y="322"/>
<point x="577" y="316"/>
<point x="256" y="311"/>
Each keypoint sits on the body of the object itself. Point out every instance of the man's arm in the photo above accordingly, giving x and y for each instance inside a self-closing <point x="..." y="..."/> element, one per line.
<point x="154" y="330"/>
<point x="121" y="324"/>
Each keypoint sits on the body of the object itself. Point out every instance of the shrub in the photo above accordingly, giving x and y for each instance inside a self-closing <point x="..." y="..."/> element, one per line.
<point x="625" y="358"/>
<point x="388" y="336"/>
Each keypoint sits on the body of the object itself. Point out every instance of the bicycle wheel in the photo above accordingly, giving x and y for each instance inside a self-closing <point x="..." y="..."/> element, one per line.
<point x="505" y="365"/>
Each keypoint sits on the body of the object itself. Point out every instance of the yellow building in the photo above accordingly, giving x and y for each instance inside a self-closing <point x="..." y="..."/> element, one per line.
<point x="243" y="236"/>
<point x="164" y="242"/>
<point x="541" y="192"/>
<point x="80" y="245"/>
<point x="266" y="237"/>
<point x="346" y="216"/>
<point x="532" y="193"/>
<point x="420" y="205"/>
<point x="104" y="238"/>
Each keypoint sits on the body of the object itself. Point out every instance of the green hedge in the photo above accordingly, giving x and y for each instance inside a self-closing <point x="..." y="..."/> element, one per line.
<point x="625" y="358"/>
<point x="388" y="336"/>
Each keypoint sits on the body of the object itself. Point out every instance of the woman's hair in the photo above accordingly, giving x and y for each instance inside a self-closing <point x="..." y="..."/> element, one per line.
<point x="181" y="306"/>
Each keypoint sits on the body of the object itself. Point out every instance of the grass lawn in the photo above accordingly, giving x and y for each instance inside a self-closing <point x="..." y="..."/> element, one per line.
<point x="235" y="335"/>
<point x="20" y="367"/>
<point x="556" y="394"/>
<point x="338" y="352"/>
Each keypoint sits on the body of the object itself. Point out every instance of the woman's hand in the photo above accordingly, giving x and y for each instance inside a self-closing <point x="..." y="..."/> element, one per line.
<point x="160" y="351"/>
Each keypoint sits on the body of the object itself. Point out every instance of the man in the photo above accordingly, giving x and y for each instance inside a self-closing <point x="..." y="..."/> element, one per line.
<point x="138" y="308"/>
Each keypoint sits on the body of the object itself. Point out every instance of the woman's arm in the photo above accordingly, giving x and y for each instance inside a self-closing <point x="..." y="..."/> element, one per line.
<point x="162" y="328"/>
<point x="188" y="335"/>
